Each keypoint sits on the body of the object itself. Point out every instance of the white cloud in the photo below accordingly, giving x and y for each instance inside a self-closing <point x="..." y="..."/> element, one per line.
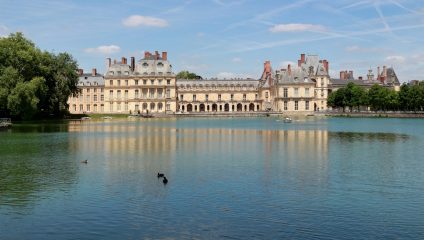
<point x="230" y="75"/>
<point x="4" y="31"/>
<point x="297" y="27"/>
<point x="110" y="49"/>
<point x="138" y="20"/>
<point x="395" y="59"/>
<point x="236" y="59"/>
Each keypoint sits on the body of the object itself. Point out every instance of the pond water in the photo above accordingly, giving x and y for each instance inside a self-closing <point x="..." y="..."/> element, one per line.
<point x="236" y="178"/>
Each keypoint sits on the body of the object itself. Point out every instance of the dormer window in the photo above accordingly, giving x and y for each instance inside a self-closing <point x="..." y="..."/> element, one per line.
<point x="110" y="72"/>
<point x="160" y="64"/>
<point x="145" y="64"/>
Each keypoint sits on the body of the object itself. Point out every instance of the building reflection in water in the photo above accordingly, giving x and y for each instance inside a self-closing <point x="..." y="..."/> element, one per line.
<point x="147" y="147"/>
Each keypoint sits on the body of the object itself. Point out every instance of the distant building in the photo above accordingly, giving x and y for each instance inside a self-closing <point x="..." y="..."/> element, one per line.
<point x="146" y="86"/>
<point x="150" y="86"/>
<point x="90" y="96"/>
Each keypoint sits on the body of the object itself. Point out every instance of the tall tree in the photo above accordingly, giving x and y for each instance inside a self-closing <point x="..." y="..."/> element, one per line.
<point x="188" y="75"/>
<point x="32" y="81"/>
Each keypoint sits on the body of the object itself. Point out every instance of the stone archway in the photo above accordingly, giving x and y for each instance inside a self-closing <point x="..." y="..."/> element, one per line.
<point x="189" y="108"/>
<point x="251" y="107"/>
<point x="202" y="107"/>
<point x="227" y="107"/>
<point x="214" y="107"/>
<point x="239" y="107"/>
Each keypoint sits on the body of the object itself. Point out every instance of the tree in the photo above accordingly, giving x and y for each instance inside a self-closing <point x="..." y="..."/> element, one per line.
<point x="188" y="75"/>
<point x="34" y="82"/>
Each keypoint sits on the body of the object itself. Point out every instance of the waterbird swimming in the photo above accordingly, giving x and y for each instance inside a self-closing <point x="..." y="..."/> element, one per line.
<point x="165" y="180"/>
<point x="161" y="175"/>
<point x="84" y="161"/>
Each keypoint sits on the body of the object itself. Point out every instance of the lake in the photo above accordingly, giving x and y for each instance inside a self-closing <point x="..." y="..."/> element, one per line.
<point x="235" y="178"/>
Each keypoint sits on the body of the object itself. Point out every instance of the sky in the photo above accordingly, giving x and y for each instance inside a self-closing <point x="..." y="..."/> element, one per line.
<point x="228" y="38"/>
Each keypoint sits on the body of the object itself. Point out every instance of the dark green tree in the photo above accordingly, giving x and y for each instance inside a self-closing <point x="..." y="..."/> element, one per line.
<point x="188" y="75"/>
<point x="34" y="82"/>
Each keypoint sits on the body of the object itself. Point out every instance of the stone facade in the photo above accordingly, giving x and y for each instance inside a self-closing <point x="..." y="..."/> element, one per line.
<point x="90" y="98"/>
<point x="150" y="86"/>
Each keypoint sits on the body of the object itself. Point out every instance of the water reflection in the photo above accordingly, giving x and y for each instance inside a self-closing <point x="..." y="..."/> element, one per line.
<point x="369" y="136"/>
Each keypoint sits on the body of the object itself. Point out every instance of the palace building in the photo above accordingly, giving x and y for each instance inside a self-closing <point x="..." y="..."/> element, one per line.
<point x="150" y="86"/>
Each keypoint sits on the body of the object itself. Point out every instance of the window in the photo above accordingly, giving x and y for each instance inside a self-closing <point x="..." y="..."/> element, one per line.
<point x="111" y="82"/>
<point x="102" y="97"/>
<point x="160" y="93"/>
<point x="256" y="96"/>
<point x="81" y="108"/>
<point x="136" y="107"/>
<point x="160" y="106"/>
<point x="126" y="94"/>
<point x="118" y="95"/>
<point x="152" y="93"/>
<point x="74" y="107"/>
<point x="111" y="94"/>
<point x="101" y="90"/>
<point x="232" y="97"/>
<point x="144" y="82"/>
<point x="207" y="97"/>
<point x="244" y="97"/>
<point x="95" y="107"/>
<point x="296" y="92"/>
<point x="160" y="82"/>
<point x="126" y="106"/>
<point x="95" y="98"/>
<point x="152" y="82"/>
<point x="306" y="105"/>
<point x="119" y="82"/>
<point x="285" y="105"/>
<point x="306" y="92"/>
<point x="296" y="105"/>
<point x="168" y="82"/>
<point x="194" y="97"/>
<point x="102" y="108"/>
<point x="136" y="94"/>
<point x="88" y="90"/>
<point x="118" y="106"/>
<point x="144" y="93"/>
<point x="168" y="107"/>
<point x="111" y="106"/>
<point x="168" y="93"/>
<point x="126" y="82"/>
<point x="219" y="97"/>
<point x="136" y="82"/>
<point x="88" y="107"/>
<point x="181" y="97"/>
<point x="88" y="98"/>
<point x="285" y="92"/>
<point x="95" y="90"/>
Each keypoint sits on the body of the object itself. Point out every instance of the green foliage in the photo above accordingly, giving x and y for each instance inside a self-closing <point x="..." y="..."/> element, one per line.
<point x="34" y="82"/>
<point x="188" y="75"/>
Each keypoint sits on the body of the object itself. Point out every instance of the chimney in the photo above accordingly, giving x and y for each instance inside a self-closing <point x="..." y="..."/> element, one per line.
<point x="326" y="65"/>
<point x="124" y="60"/>
<point x="156" y="55"/>
<point x="80" y="71"/>
<point x="289" y="69"/>
<point x="384" y="71"/>
<point x="108" y="62"/>
<point x="146" y="55"/>
<point x="94" y="72"/>
<point x="341" y="74"/>
<point x="132" y="64"/>
<point x="350" y="75"/>
<point x="164" y="56"/>
<point x="302" y="58"/>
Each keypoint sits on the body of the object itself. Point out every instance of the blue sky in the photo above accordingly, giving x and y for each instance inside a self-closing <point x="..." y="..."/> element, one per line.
<point x="229" y="38"/>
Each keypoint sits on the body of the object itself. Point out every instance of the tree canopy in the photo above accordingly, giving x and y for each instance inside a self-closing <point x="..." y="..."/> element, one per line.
<point x="188" y="75"/>
<point x="34" y="82"/>
<point x="379" y="98"/>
